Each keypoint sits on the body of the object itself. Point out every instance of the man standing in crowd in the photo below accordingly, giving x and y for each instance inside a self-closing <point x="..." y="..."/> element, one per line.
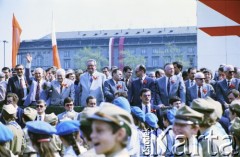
<point x="200" y="89"/>
<point x="91" y="83"/>
<point x="143" y="81"/>
<point x="170" y="85"/>
<point x="36" y="91"/>
<point x="223" y="86"/>
<point x="61" y="89"/>
<point x="7" y="72"/>
<point x="178" y="68"/>
<point x="114" y="86"/>
<point x="41" y="108"/>
<point x="106" y="71"/>
<point x="78" y="73"/>
<point x="18" y="84"/>
<point x="127" y="76"/>
<point x="69" y="110"/>
<point x="190" y="82"/>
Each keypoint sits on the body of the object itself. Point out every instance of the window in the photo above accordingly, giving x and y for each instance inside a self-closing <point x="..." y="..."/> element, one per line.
<point x="155" y="61"/>
<point x="143" y="52"/>
<point x="66" y="54"/>
<point x="167" y="59"/>
<point x="67" y="63"/>
<point x="39" y="61"/>
<point x="155" y="51"/>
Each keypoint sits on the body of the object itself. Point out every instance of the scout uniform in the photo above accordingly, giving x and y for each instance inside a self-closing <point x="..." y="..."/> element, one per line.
<point x="235" y="131"/>
<point x="210" y="130"/>
<point x="17" y="144"/>
<point x="5" y="136"/>
<point x="187" y="116"/>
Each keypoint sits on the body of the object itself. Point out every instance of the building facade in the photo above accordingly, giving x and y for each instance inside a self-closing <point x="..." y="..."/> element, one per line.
<point x="158" y="46"/>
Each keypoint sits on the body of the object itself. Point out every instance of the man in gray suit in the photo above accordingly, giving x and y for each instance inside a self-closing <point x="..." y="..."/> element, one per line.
<point x="114" y="86"/>
<point x="91" y="83"/>
<point x="190" y="82"/>
<point x="200" y="89"/>
<point x="61" y="88"/>
<point x="169" y="85"/>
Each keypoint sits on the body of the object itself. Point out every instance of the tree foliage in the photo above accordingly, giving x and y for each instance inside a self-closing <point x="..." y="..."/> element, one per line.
<point x="83" y="55"/>
<point x="133" y="60"/>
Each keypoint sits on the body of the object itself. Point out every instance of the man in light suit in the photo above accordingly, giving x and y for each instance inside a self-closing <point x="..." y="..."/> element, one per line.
<point x="200" y="89"/>
<point x="114" y="86"/>
<point x="143" y="81"/>
<point x="91" y="83"/>
<point x="225" y="85"/>
<point x="61" y="88"/>
<point x="18" y="84"/>
<point x="170" y="85"/>
<point x="36" y="85"/>
<point x="127" y="76"/>
<point x="190" y="82"/>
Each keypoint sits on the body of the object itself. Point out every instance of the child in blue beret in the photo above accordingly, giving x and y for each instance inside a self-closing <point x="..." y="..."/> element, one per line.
<point x="69" y="134"/>
<point x="6" y="135"/>
<point x="40" y="133"/>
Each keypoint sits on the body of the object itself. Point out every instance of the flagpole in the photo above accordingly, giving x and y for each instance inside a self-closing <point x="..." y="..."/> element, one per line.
<point x="4" y="42"/>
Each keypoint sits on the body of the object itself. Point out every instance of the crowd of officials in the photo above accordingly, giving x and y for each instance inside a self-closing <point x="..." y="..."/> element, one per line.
<point x="168" y="112"/>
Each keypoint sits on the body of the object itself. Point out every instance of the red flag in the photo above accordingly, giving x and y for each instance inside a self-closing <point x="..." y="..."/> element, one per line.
<point x="56" y="59"/>
<point x="15" y="40"/>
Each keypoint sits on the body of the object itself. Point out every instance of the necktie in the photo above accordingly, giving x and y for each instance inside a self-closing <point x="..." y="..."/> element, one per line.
<point x="168" y="85"/>
<point x="61" y="88"/>
<point x="91" y="79"/>
<point x="191" y="83"/>
<point x="199" y="92"/>
<point x="40" y="118"/>
<point x="228" y="83"/>
<point x="37" y="91"/>
<point x="146" y="109"/>
<point x="22" y="87"/>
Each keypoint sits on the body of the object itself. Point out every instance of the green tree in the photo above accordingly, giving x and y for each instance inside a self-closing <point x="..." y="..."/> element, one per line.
<point x="133" y="60"/>
<point x="81" y="57"/>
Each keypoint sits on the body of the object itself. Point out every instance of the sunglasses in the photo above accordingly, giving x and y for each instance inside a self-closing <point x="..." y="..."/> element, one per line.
<point x="39" y="106"/>
<point x="68" y="105"/>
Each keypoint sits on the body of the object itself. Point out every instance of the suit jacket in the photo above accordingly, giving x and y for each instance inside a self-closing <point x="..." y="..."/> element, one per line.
<point x="188" y="83"/>
<point x="64" y="114"/>
<point x="137" y="86"/>
<point x="110" y="89"/>
<point x="177" y="88"/>
<point x="192" y="93"/>
<point x="56" y="96"/>
<point x="222" y="89"/>
<point x="129" y="83"/>
<point x="33" y="89"/>
<point x="15" y="87"/>
<point x="76" y="88"/>
<point x="94" y="89"/>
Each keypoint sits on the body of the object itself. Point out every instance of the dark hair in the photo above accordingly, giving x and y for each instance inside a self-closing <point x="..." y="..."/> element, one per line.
<point x="144" y="90"/>
<point x="106" y="67"/>
<point x="234" y="111"/>
<point x="71" y="139"/>
<point x="174" y="99"/>
<point x="8" y="116"/>
<point x="189" y="69"/>
<point x="202" y="69"/>
<point x="165" y="117"/>
<point x="221" y="69"/>
<point x="41" y="102"/>
<point x="179" y="65"/>
<point x="14" y="96"/>
<point x="18" y="65"/>
<point x="143" y="68"/>
<point x="126" y="68"/>
<point x="89" y="98"/>
<point x="67" y="100"/>
<point x="6" y="68"/>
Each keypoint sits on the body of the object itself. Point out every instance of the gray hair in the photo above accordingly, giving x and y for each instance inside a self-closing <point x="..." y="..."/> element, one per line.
<point x="38" y="69"/>
<point x="61" y="72"/>
<point x="92" y="60"/>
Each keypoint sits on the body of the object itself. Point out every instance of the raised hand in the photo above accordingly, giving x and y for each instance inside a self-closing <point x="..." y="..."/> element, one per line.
<point x="29" y="58"/>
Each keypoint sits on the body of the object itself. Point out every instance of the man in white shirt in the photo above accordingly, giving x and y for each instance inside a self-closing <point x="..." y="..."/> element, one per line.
<point x="145" y="96"/>
<point x="41" y="107"/>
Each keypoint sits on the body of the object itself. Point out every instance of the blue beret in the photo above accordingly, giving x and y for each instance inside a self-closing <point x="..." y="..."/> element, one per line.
<point x="40" y="127"/>
<point x="151" y="119"/>
<point x="123" y="103"/>
<point x="67" y="127"/>
<point x="171" y="115"/>
<point x="5" y="134"/>
<point x="136" y="111"/>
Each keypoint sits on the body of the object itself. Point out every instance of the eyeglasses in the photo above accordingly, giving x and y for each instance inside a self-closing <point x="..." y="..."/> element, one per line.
<point x="231" y="72"/>
<point x="201" y="79"/>
<point x="68" y="105"/>
<point x="41" y="106"/>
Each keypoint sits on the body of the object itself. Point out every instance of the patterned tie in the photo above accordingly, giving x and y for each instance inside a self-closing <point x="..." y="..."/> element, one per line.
<point x="168" y="85"/>
<point x="37" y="91"/>
<point x="146" y="109"/>
<point x="199" y="92"/>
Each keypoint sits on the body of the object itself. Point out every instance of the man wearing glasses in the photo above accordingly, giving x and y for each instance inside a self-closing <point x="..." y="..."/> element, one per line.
<point x="69" y="113"/>
<point x="200" y="89"/>
<point x="18" y="84"/>
<point x="225" y="85"/>
<point x="41" y="107"/>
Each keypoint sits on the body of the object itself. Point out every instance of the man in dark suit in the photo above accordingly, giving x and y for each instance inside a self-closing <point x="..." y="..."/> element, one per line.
<point x="169" y="85"/>
<point x="114" y="86"/>
<point x="190" y="82"/>
<point x="223" y="86"/>
<point x="143" y="81"/>
<point x="18" y="84"/>
<point x="127" y="76"/>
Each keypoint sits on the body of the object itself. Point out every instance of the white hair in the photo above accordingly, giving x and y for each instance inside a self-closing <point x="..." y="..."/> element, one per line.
<point x="61" y="72"/>
<point x="38" y="69"/>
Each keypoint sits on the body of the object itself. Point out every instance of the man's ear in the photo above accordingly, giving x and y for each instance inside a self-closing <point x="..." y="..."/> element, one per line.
<point x="121" y="134"/>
